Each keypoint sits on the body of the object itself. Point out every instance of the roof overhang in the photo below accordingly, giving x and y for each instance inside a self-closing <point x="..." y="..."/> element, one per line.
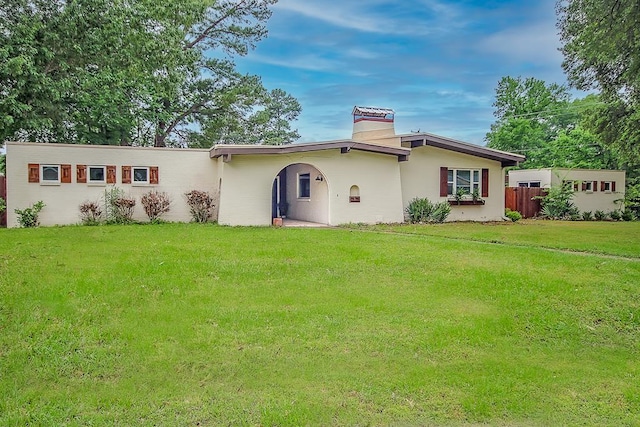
<point x="226" y="151"/>
<point x="424" y="139"/>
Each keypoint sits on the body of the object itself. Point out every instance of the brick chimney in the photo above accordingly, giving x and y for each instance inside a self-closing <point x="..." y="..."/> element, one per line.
<point x="374" y="125"/>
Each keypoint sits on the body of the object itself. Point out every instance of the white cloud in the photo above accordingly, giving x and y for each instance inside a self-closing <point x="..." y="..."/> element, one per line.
<point x="380" y="17"/>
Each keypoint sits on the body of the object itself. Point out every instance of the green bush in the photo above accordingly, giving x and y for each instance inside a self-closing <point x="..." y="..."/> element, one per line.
<point x="512" y="215"/>
<point x="423" y="210"/>
<point x="628" y="215"/>
<point x="587" y="216"/>
<point x="557" y="204"/>
<point x="3" y="205"/>
<point x="600" y="216"/>
<point x="615" y="215"/>
<point x="28" y="217"/>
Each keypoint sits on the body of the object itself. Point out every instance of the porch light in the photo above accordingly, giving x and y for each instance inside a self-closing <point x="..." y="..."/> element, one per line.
<point x="319" y="178"/>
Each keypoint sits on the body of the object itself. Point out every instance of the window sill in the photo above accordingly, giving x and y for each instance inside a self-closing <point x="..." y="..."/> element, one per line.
<point x="50" y="183"/>
<point x="465" y="202"/>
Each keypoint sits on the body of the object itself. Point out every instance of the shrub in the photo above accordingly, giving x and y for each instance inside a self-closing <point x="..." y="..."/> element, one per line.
<point x="627" y="215"/>
<point x="123" y="209"/>
<point x="118" y="207"/>
<point x="557" y="204"/>
<point x="423" y="210"/>
<point x="90" y="213"/>
<point x="512" y="215"/>
<point x="155" y="204"/>
<point x="615" y="215"/>
<point x="600" y="216"/>
<point x="3" y="205"/>
<point x="28" y="217"/>
<point x="587" y="216"/>
<point x="200" y="205"/>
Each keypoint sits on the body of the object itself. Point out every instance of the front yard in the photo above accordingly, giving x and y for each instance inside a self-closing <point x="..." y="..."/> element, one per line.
<point x="454" y="324"/>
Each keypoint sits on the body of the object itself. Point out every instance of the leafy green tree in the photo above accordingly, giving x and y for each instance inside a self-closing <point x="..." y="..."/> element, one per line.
<point x="3" y="163"/>
<point x="118" y="72"/>
<point x="601" y="47"/>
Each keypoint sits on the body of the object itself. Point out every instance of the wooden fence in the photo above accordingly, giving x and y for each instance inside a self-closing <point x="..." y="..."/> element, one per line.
<point x="3" y="194"/>
<point x="521" y="199"/>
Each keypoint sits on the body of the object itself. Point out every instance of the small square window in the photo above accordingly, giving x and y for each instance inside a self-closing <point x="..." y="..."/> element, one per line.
<point x="141" y="175"/>
<point x="606" y="186"/>
<point x="97" y="174"/>
<point x="51" y="174"/>
<point x="304" y="186"/>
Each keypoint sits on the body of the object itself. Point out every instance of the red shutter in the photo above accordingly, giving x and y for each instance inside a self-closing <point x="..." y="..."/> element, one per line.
<point x="65" y="174"/>
<point x="444" y="177"/>
<point x="111" y="174"/>
<point x="594" y="186"/>
<point x="126" y="174"/>
<point x="584" y="186"/>
<point x="613" y="186"/>
<point x="34" y="172"/>
<point x="81" y="174"/>
<point x="153" y="175"/>
<point x="601" y="185"/>
<point x="575" y="185"/>
<point x="485" y="182"/>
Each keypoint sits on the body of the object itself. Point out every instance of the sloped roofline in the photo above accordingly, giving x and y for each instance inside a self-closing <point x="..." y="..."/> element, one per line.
<point x="227" y="150"/>
<point x="423" y="139"/>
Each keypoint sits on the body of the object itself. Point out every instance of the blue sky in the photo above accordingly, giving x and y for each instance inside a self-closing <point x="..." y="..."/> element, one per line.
<point x="435" y="62"/>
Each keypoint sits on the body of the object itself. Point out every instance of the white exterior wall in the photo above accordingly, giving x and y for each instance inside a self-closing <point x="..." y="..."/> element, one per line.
<point x="421" y="178"/>
<point x="314" y="208"/>
<point x="179" y="171"/>
<point x="595" y="200"/>
<point x="245" y="198"/>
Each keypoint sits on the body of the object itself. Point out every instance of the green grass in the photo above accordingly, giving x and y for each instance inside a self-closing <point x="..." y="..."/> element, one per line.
<point x="613" y="238"/>
<point x="180" y="324"/>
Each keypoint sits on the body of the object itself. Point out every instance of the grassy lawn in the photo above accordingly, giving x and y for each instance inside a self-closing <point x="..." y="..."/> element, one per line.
<point x="181" y="324"/>
<point x="614" y="238"/>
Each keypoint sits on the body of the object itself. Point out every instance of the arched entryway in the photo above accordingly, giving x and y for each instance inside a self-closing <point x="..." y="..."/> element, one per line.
<point x="300" y="192"/>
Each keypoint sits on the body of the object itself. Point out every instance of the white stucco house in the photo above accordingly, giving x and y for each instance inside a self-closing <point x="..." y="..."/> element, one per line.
<point x="369" y="178"/>
<point x="594" y="189"/>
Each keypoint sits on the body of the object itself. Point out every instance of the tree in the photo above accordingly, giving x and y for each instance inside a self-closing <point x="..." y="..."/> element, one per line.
<point x="118" y="72"/>
<point x="541" y="122"/>
<point x="601" y="48"/>
<point x="529" y="114"/>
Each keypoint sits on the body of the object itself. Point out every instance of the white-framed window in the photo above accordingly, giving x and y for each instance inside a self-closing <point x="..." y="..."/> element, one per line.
<point x="463" y="180"/>
<point x="530" y="184"/>
<point x="140" y="175"/>
<point x="97" y="174"/>
<point x="50" y="174"/>
<point x="588" y="186"/>
<point x="573" y="185"/>
<point x="304" y="186"/>
<point x="606" y="186"/>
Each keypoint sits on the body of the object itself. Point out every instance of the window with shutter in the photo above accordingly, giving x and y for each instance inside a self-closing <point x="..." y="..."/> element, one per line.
<point x="485" y="183"/>
<point x="154" y="178"/>
<point x="65" y="174"/>
<point x="444" y="179"/>
<point x="81" y="174"/>
<point x="34" y="172"/>
<point x="111" y="174"/>
<point x="126" y="174"/>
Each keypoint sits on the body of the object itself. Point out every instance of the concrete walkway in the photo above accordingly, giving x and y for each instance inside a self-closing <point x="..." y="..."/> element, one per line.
<point x="288" y="222"/>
